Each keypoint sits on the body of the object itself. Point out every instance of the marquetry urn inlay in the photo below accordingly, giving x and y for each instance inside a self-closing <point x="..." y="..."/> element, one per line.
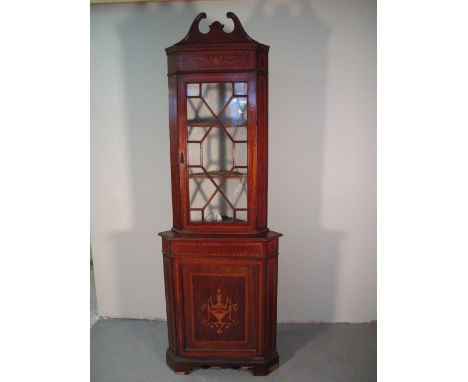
<point x="220" y="312"/>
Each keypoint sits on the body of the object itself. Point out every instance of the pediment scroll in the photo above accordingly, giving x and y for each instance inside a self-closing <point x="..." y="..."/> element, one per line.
<point x="216" y="34"/>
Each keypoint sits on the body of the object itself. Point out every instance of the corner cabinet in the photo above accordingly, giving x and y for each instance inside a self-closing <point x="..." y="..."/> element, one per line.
<point x="220" y="259"/>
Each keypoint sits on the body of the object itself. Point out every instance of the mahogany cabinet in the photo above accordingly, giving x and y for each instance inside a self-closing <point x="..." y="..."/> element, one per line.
<point x="220" y="259"/>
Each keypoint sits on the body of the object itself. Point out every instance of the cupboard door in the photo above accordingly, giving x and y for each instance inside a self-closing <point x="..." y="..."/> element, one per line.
<point x="217" y="142"/>
<point x="220" y="306"/>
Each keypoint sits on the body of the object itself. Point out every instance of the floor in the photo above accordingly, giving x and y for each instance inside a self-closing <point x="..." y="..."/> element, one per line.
<point x="134" y="351"/>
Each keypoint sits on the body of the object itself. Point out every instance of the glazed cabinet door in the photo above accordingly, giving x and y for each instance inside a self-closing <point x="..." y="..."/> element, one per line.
<point x="219" y="309"/>
<point x="217" y="135"/>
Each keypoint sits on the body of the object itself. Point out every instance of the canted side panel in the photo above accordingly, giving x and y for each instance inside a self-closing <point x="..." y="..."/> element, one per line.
<point x="272" y="247"/>
<point x="169" y="285"/>
<point x="262" y="149"/>
<point x="220" y="307"/>
<point x="271" y="298"/>
<point x="262" y="63"/>
<point x="171" y="63"/>
<point x="174" y="151"/>
<point x="274" y="300"/>
<point x="166" y="246"/>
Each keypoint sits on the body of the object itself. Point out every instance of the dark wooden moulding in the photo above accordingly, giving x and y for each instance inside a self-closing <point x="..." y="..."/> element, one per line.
<point x="237" y="263"/>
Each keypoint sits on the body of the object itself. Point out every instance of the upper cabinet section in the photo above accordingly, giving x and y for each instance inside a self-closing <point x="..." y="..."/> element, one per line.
<point x="218" y="118"/>
<point x="217" y="50"/>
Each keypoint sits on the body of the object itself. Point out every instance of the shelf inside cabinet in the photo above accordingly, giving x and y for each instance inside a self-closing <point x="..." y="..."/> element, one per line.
<point x="218" y="174"/>
<point x="209" y="123"/>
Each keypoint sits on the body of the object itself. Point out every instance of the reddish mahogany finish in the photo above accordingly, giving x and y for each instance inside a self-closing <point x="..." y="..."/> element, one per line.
<point x="220" y="277"/>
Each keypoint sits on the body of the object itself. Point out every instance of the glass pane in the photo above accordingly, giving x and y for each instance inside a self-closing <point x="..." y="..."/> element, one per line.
<point x="218" y="210"/>
<point x="195" y="216"/>
<point x="217" y="151"/>
<point x="235" y="189"/>
<point x="193" y="90"/>
<point x="238" y="133"/>
<point x="200" y="190"/>
<point x="198" y="114"/>
<point x="235" y="113"/>
<point x="194" y="154"/>
<point x="217" y="95"/>
<point x="241" y="215"/>
<point x="196" y="133"/>
<point x="240" y="88"/>
<point x="240" y="154"/>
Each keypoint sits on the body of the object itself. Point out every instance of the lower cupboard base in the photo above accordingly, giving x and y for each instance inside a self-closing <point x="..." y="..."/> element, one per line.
<point x="258" y="365"/>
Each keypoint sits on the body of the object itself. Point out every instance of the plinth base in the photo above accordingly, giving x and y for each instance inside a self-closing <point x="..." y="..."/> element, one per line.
<point x="258" y="365"/>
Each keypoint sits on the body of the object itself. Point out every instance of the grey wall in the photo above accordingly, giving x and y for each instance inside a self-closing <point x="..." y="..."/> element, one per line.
<point x="322" y="190"/>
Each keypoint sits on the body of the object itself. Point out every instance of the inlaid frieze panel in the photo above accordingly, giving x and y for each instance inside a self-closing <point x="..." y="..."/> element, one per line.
<point x="215" y="61"/>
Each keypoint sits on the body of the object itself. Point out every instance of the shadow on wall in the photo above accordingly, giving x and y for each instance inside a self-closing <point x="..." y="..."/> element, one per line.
<point x="309" y="254"/>
<point x="145" y="82"/>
